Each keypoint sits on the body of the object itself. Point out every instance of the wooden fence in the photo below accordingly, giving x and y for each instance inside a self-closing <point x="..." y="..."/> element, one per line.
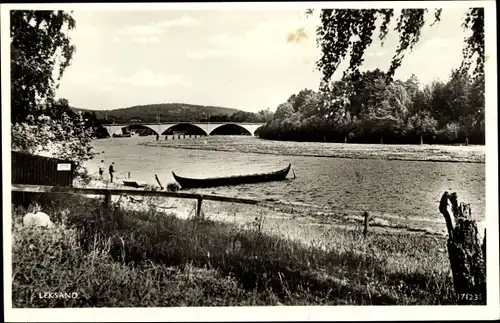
<point x="107" y="193"/>
<point x="40" y="170"/>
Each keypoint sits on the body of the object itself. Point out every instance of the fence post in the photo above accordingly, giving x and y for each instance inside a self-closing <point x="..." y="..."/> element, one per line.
<point x="198" y="209"/>
<point x="466" y="254"/>
<point x="107" y="202"/>
<point x="367" y="219"/>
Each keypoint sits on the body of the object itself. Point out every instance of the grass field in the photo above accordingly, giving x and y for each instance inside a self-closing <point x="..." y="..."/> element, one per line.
<point x="148" y="258"/>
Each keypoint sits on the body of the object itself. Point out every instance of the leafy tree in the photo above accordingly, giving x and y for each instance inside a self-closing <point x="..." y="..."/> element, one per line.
<point x="66" y="137"/>
<point x="345" y="32"/>
<point x="412" y="86"/>
<point x="266" y="115"/>
<point x="40" y="52"/>
<point x="284" y="110"/>
<point x="297" y="100"/>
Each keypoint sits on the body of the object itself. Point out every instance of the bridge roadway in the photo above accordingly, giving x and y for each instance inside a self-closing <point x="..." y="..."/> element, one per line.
<point x="206" y="127"/>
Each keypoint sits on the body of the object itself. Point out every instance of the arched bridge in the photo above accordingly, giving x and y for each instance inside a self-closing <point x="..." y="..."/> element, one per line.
<point x="206" y="128"/>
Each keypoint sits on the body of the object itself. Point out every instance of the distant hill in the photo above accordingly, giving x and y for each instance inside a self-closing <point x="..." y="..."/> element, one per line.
<point x="168" y="112"/>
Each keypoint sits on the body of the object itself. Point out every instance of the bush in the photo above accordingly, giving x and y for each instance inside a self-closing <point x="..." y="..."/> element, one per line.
<point x="173" y="187"/>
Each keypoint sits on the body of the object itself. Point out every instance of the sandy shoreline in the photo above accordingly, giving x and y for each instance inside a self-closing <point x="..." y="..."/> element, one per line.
<point x="427" y="153"/>
<point x="272" y="214"/>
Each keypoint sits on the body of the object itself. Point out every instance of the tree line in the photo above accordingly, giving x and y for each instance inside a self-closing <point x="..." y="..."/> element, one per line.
<point x="363" y="107"/>
<point x="172" y="115"/>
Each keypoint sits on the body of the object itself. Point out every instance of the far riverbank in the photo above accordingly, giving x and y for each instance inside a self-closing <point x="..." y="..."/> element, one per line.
<point x="431" y="153"/>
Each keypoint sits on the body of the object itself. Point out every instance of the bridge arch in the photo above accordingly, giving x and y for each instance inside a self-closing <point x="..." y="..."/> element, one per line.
<point x="187" y="127"/>
<point x="141" y="126"/>
<point x="231" y="129"/>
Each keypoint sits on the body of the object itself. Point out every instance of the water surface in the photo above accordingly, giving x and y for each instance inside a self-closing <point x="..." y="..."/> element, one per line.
<point x="394" y="188"/>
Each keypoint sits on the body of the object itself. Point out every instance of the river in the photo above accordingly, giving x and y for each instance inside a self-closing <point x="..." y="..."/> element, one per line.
<point x="393" y="188"/>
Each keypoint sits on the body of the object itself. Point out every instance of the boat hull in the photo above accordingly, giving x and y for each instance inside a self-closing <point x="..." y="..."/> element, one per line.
<point x="187" y="183"/>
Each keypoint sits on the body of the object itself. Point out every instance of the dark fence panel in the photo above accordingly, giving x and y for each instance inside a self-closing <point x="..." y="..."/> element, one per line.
<point x="39" y="170"/>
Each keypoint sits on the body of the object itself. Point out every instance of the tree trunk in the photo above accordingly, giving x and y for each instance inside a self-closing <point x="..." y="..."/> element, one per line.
<point x="381" y="140"/>
<point x="466" y="254"/>
<point x="421" y="140"/>
<point x="345" y="139"/>
<point x="466" y="140"/>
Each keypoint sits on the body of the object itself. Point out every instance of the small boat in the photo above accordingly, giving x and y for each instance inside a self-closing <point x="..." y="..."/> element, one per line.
<point x="187" y="183"/>
<point x="133" y="184"/>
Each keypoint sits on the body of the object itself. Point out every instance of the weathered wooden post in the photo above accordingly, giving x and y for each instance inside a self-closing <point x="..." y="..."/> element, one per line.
<point x="128" y="175"/>
<point x="466" y="254"/>
<point x="178" y="136"/>
<point x="106" y="204"/>
<point x="159" y="183"/>
<point x="198" y="209"/>
<point x="367" y="219"/>
<point x="107" y="199"/>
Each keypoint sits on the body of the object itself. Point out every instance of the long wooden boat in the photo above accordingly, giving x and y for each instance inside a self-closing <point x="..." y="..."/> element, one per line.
<point x="187" y="183"/>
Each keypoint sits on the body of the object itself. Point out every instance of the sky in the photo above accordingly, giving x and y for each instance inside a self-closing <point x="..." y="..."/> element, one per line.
<point x="248" y="59"/>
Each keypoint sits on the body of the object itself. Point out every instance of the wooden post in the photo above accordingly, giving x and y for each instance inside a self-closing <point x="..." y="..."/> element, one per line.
<point x="128" y="175"/>
<point x="158" y="180"/>
<point x="367" y="219"/>
<point x="107" y="203"/>
<point x="178" y="136"/>
<point x="198" y="209"/>
<point x="465" y="251"/>
<point x="293" y="170"/>
<point x="166" y="137"/>
<point x="184" y="136"/>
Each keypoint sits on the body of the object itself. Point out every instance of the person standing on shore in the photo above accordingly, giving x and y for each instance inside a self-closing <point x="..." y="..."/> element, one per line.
<point x="111" y="171"/>
<point x="101" y="169"/>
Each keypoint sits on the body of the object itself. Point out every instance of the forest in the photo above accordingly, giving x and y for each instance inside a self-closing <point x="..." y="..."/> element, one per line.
<point x="173" y="112"/>
<point x="364" y="107"/>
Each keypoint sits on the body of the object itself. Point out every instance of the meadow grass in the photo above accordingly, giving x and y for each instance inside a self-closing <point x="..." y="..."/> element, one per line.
<point x="119" y="257"/>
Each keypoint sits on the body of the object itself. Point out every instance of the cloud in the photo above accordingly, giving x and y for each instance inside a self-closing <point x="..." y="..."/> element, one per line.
<point x="184" y="21"/>
<point x="145" y="33"/>
<point x="144" y="30"/>
<point x="209" y="53"/>
<point x="146" y="39"/>
<point x="147" y="78"/>
<point x="292" y="39"/>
